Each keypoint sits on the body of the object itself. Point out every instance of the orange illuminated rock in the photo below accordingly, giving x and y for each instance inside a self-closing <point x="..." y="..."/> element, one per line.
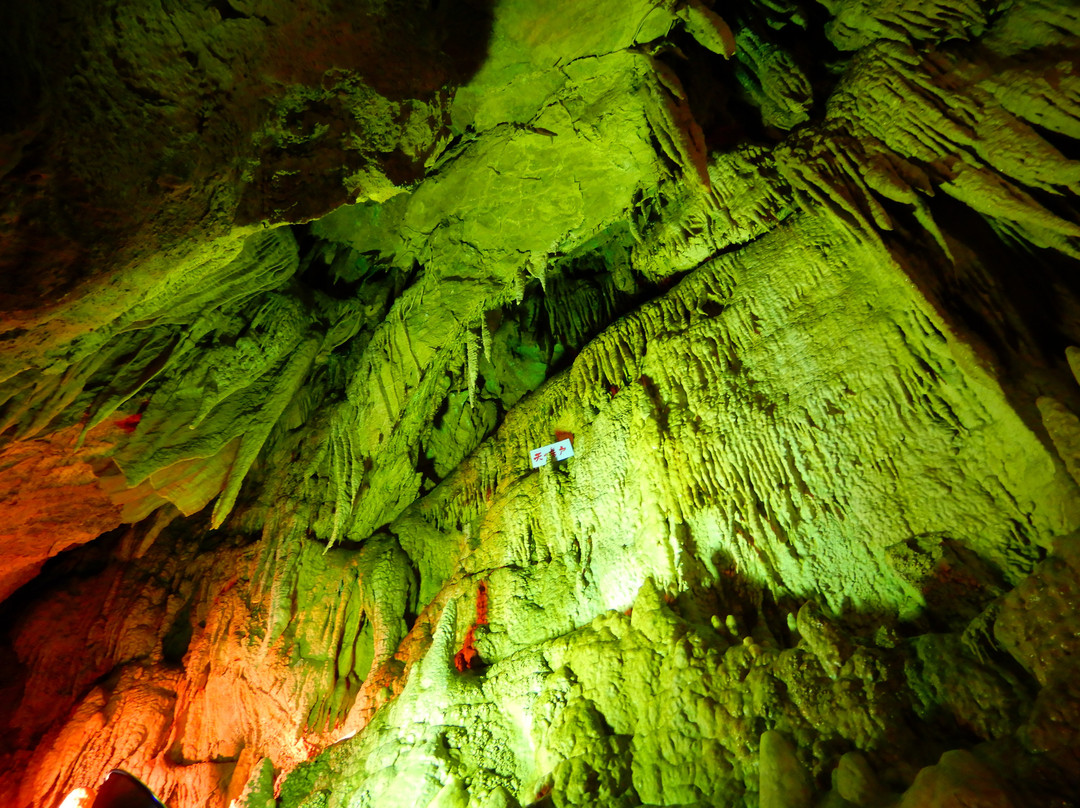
<point x="50" y="501"/>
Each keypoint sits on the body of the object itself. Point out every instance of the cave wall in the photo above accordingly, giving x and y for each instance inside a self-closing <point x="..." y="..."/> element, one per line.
<point x="797" y="281"/>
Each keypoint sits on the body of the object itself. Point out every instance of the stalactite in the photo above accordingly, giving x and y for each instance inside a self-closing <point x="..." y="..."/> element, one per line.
<point x="472" y="368"/>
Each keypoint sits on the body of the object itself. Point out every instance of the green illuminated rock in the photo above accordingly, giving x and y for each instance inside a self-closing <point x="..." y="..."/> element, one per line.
<point x="798" y="283"/>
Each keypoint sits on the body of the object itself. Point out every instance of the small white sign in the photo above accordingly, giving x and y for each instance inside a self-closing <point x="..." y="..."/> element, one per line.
<point x="561" y="450"/>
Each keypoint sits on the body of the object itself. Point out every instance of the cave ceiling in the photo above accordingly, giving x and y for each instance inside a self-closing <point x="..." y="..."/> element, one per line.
<point x="290" y="292"/>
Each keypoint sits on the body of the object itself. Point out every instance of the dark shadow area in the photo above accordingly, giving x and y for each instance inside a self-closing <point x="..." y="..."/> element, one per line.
<point x="122" y="790"/>
<point x="719" y="105"/>
<point x="1021" y="300"/>
<point x="177" y="638"/>
<point x="104" y="158"/>
<point x="80" y="563"/>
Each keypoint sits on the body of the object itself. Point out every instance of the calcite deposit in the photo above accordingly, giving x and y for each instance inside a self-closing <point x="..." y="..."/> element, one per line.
<point x="290" y="291"/>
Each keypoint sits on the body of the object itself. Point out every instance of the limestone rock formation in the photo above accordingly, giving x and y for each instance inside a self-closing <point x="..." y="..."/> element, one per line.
<point x="291" y="291"/>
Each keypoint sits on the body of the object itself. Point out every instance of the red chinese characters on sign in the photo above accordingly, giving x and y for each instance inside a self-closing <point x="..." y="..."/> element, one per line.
<point x="561" y="450"/>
